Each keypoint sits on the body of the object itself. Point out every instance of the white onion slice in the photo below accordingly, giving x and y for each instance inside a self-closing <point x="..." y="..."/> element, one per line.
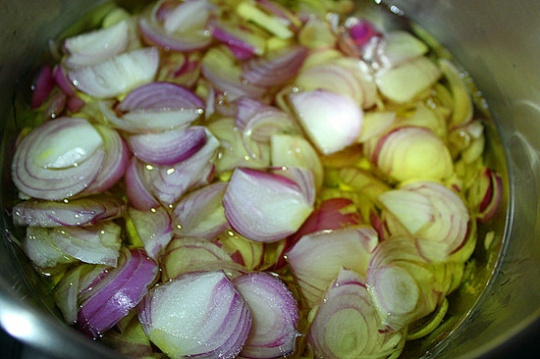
<point x="346" y="324"/>
<point x="317" y="258"/>
<point x="48" y="165"/>
<point x="275" y="316"/>
<point x="117" y="75"/>
<point x="197" y="315"/>
<point x="264" y="207"/>
<point x="96" y="46"/>
<point x="331" y="121"/>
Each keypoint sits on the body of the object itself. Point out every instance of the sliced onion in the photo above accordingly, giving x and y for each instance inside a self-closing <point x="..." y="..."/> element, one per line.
<point x="200" y="213"/>
<point x="402" y="283"/>
<point x="486" y="195"/>
<point x="408" y="153"/>
<point x="76" y="212"/>
<point x="295" y="151"/>
<point x="117" y="293"/>
<point x="168" y="147"/>
<point x="199" y="315"/>
<point x="317" y="258"/>
<point x="249" y="254"/>
<point x="188" y="255"/>
<point x="463" y="107"/>
<point x="117" y="75"/>
<point x="274" y="316"/>
<point x="220" y="70"/>
<point x="430" y="211"/>
<point x="93" y="47"/>
<point x="137" y="191"/>
<point x="42" y="86"/>
<point x="153" y="228"/>
<point x="250" y="12"/>
<point x="400" y="46"/>
<point x="160" y="96"/>
<point x="114" y="164"/>
<point x="62" y="81"/>
<point x="346" y="325"/>
<point x="375" y="124"/>
<point x="242" y="42"/>
<point x="153" y="33"/>
<point x="276" y="68"/>
<point x="264" y="207"/>
<point x="41" y="250"/>
<point x="403" y="83"/>
<point x="58" y="159"/>
<point x="189" y="15"/>
<point x="131" y="341"/>
<point x="331" y="121"/>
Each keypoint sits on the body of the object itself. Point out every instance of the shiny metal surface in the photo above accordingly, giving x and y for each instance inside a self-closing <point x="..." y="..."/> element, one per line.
<point x="496" y="41"/>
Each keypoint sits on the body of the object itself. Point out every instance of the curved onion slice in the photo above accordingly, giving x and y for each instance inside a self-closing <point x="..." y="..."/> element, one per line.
<point x="400" y="46"/>
<point x="275" y="68"/>
<point x="117" y="75"/>
<point x="275" y="316"/>
<point x="58" y="159"/>
<point x="263" y="206"/>
<point x="76" y="212"/>
<point x="187" y="255"/>
<point x="197" y="315"/>
<point x="93" y="47"/>
<point x="154" y="35"/>
<point x="137" y="192"/>
<point x="408" y="153"/>
<point x="240" y="40"/>
<point x="430" y="211"/>
<point x="404" y="286"/>
<point x="463" y="107"/>
<point x="119" y="291"/>
<point x="346" y="324"/>
<point x="42" y="86"/>
<point x="153" y="228"/>
<point x="331" y="121"/>
<point x="188" y="15"/>
<point x="317" y="258"/>
<point x="404" y="82"/>
<point x="247" y="253"/>
<point x="486" y="194"/>
<point x="200" y="213"/>
<point x="168" y="147"/>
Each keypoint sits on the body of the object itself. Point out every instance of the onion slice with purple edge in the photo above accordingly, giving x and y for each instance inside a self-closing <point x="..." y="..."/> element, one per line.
<point x="76" y="212"/>
<point x="118" y="74"/>
<point x="58" y="159"/>
<point x="346" y="324"/>
<point x="119" y="291"/>
<point x="265" y="207"/>
<point x="152" y="228"/>
<point x="196" y="315"/>
<point x="317" y="258"/>
<point x="276" y="68"/>
<point x="275" y="316"/>
<point x="200" y="213"/>
<point x="331" y="121"/>
<point x="137" y="192"/>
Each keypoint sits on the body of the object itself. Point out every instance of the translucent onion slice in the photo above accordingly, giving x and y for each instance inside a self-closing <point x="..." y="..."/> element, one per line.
<point x="153" y="228"/>
<point x="317" y="258"/>
<point x="463" y="107"/>
<point x="168" y="147"/>
<point x="58" y="159"/>
<point x="274" y="316"/>
<point x="117" y="293"/>
<point x="242" y="42"/>
<point x="346" y="324"/>
<point x="263" y="206"/>
<point x="331" y="121"/>
<point x="399" y="47"/>
<point x="76" y="212"/>
<point x="403" y="83"/>
<point x="138" y="193"/>
<point x="249" y="254"/>
<point x="200" y="213"/>
<point x="93" y="47"/>
<point x="430" y="211"/>
<point x="197" y="315"/>
<point x="403" y="284"/>
<point x="250" y="12"/>
<point x="188" y="255"/>
<point x="117" y="75"/>
<point x="486" y="194"/>
<point x="42" y="86"/>
<point x="188" y="15"/>
<point x="410" y="153"/>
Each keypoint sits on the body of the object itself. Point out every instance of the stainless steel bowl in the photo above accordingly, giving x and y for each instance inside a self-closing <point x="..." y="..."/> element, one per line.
<point x="496" y="41"/>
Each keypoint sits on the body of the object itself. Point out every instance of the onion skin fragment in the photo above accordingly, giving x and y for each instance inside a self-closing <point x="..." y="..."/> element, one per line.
<point x="346" y="325"/>
<point x="196" y="315"/>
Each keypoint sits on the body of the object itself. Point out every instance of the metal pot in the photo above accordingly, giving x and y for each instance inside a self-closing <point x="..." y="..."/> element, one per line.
<point x="497" y="42"/>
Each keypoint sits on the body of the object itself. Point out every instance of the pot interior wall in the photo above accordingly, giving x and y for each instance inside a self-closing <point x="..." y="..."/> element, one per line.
<point x="496" y="44"/>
